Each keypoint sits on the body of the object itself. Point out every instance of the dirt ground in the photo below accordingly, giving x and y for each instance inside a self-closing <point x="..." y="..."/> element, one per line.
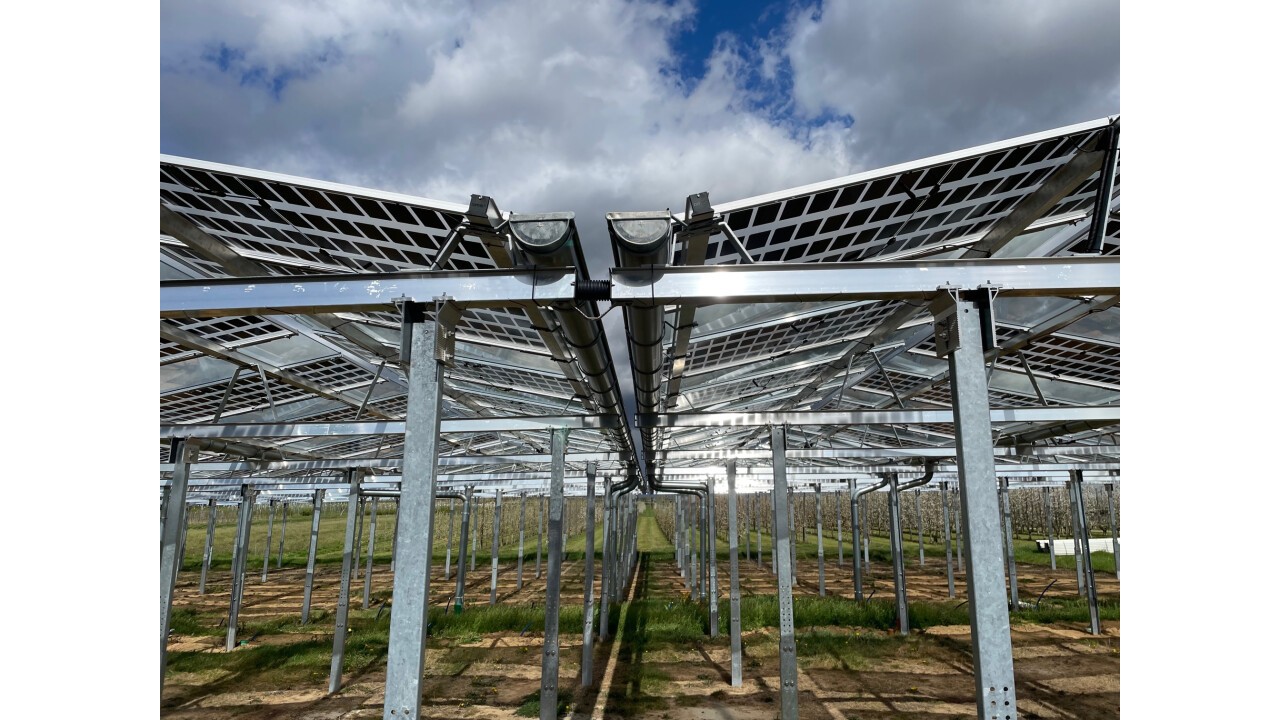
<point x="1061" y="670"/>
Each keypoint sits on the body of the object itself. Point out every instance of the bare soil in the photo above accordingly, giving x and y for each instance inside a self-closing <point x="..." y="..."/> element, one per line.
<point x="1061" y="670"/>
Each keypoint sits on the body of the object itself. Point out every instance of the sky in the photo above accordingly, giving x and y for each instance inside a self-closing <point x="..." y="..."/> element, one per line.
<point x="550" y="106"/>
<point x="591" y="107"/>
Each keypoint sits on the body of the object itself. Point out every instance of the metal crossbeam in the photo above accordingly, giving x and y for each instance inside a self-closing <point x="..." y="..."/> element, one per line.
<point x="337" y="429"/>
<point x="365" y="292"/>
<point x="1098" y="413"/>
<point x="1024" y="277"/>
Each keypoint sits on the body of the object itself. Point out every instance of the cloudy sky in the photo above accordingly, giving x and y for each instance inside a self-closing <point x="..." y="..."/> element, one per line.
<point x="595" y="106"/>
<point x="548" y="105"/>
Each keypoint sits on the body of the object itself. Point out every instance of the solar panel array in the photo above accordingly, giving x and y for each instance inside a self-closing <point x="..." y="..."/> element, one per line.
<point x="767" y="357"/>
<point x="936" y="207"/>
<point x="296" y="226"/>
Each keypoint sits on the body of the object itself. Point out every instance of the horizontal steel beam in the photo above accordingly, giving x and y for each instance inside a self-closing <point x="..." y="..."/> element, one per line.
<point x="873" y="452"/>
<point x="362" y="292"/>
<point x="919" y="280"/>
<point x="1107" y="413"/>
<point x="721" y="284"/>
<point x="767" y="470"/>
<point x="341" y="429"/>
<point x="343" y="464"/>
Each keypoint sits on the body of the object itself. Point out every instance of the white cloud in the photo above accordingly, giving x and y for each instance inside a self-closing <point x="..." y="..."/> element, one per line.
<point x="548" y="107"/>
<point x="541" y="105"/>
<point x="922" y="77"/>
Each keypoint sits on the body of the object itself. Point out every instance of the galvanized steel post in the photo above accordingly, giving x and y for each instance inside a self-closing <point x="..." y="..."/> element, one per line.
<point x="355" y="559"/>
<point x="1082" y="519"/>
<point x="368" y="568"/>
<point x="1010" y="560"/>
<point x="946" y="538"/>
<point x="791" y="504"/>
<point x="344" y="590"/>
<point x="839" y="531"/>
<point x="431" y="348"/>
<point x="713" y="594"/>
<point x="855" y="531"/>
<point x="958" y="335"/>
<point x="895" y="543"/>
<point x="520" y="545"/>
<point x="1077" y="542"/>
<point x="537" y="563"/>
<point x="208" y="543"/>
<point x="468" y="500"/>
<point x="448" y="545"/>
<point x="822" y="558"/>
<point x="317" y="504"/>
<point x="174" y="517"/>
<point x="589" y="577"/>
<point x="549" y="698"/>
<point x="606" y="563"/>
<point x="475" y="537"/>
<point x="758" y="500"/>
<point x="920" y="527"/>
<point x="1115" y="538"/>
<point x="239" y="559"/>
<point x="789" y="707"/>
<point x="266" y="551"/>
<point x="735" y="594"/>
<point x="284" y="524"/>
<point x="493" y="553"/>
<point x="1048" y="522"/>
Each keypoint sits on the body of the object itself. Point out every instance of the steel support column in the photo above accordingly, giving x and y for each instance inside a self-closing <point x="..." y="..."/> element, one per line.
<point x="537" y="562"/>
<point x="468" y="500"/>
<point x="411" y="591"/>
<point x="316" y="504"/>
<point x="946" y="538"/>
<point x="549" y="698"/>
<point x="822" y="558"/>
<point x="344" y="590"/>
<point x="355" y="558"/>
<point x="757" y="501"/>
<point x="175" y="511"/>
<point x="1048" y="523"/>
<point x="839" y="531"/>
<point x="789" y="707"/>
<point x="607" y="575"/>
<point x="208" y="543"/>
<point x="1115" y="538"/>
<point x="713" y="588"/>
<point x="589" y="578"/>
<point x="493" y="552"/>
<point x="284" y="524"/>
<point x="475" y="539"/>
<point x="957" y="327"/>
<point x="920" y="528"/>
<point x="1010" y="560"/>
<point x="855" y="531"/>
<point x="735" y="594"/>
<point x="791" y="504"/>
<point x="1082" y="519"/>
<point x="1077" y="541"/>
<point x="239" y="559"/>
<point x="368" y="567"/>
<point x="520" y="545"/>
<point x="266" y="550"/>
<point x="448" y="545"/>
<point x="899" y="570"/>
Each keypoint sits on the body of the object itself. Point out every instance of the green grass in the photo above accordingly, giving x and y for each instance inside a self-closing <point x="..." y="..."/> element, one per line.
<point x="332" y="534"/>
<point x="881" y="551"/>
<point x="532" y="704"/>
<point x="1074" y="609"/>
